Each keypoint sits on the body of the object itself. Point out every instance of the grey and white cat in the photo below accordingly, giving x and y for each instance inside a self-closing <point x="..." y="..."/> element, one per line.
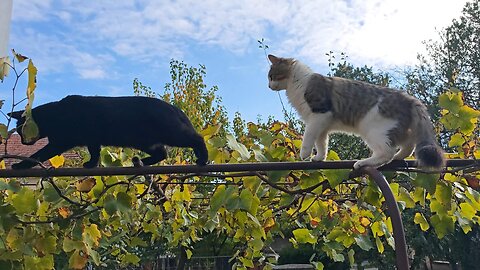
<point x="390" y="122"/>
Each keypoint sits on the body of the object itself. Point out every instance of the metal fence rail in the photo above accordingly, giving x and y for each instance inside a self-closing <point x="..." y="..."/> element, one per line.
<point x="397" y="165"/>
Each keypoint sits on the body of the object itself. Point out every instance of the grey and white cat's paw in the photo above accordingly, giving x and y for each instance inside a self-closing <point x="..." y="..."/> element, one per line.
<point x="321" y="155"/>
<point x="366" y="162"/>
<point x="305" y="153"/>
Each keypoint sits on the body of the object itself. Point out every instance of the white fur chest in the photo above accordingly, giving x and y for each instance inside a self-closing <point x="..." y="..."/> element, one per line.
<point x="296" y="90"/>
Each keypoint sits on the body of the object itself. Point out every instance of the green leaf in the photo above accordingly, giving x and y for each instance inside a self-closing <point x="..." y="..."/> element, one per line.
<point x="30" y="130"/>
<point x="256" y="244"/>
<point x="221" y="196"/>
<point x="24" y="202"/>
<point x="70" y="245"/>
<point x="456" y="140"/>
<point x="420" y="220"/>
<point x="318" y="265"/>
<point x="189" y="254"/>
<point x="248" y="202"/>
<point x="110" y="204"/>
<point x="39" y="263"/>
<point x="364" y="242"/>
<point x="335" y="177"/>
<point x="3" y="130"/>
<point x="351" y="257"/>
<point x="275" y="176"/>
<point x="303" y="236"/>
<point x="379" y="244"/>
<point x="46" y="245"/>
<point x="124" y="202"/>
<point x="442" y="224"/>
<point x="419" y="196"/>
<point x="443" y="194"/>
<point x="426" y="181"/>
<point x="240" y="148"/>
<point x="451" y="101"/>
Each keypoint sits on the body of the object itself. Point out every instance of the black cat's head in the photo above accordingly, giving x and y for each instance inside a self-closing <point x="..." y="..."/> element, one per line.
<point x="18" y="115"/>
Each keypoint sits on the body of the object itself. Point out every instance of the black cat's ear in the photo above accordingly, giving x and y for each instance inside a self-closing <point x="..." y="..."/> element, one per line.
<point x="16" y="115"/>
<point x="273" y="59"/>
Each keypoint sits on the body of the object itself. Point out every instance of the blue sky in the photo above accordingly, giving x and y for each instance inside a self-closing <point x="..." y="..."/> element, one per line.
<point x="99" y="47"/>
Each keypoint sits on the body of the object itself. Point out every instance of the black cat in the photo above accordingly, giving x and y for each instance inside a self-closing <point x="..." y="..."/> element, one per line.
<point x="143" y="123"/>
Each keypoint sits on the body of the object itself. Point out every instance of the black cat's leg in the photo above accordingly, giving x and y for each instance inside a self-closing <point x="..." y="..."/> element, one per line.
<point x="94" y="151"/>
<point x="199" y="148"/>
<point x="190" y="138"/>
<point x="157" y="153"/>
<point x="41" y="155"/>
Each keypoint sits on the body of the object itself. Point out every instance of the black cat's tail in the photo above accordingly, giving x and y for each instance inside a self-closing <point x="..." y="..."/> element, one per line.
<point x="427" y="151"/>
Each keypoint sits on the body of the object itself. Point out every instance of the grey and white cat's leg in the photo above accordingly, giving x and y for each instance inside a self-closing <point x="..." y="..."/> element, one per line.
<point x="321" y="145"/>
<point x="382" y="151"/>
<point x="314" y="126"/>
<point x="405" y="151"/>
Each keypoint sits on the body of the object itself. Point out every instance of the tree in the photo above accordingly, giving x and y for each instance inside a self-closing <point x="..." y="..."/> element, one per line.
<point x="453" y="61"/>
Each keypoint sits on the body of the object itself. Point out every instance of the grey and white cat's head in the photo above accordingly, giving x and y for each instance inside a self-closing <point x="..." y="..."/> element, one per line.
<point x="286" y="72"/>
<point x="280" y="71"/>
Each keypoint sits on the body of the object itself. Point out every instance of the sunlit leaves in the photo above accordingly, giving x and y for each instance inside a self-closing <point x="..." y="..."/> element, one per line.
<point x="303" y="236"/>
<point x="420" y="220"/>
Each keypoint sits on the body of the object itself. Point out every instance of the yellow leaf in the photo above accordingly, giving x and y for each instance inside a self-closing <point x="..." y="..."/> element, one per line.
<point x="189" y="253"/>
<point x="2" y="165"/>
<point x="364" y="221"/>
<point x="57" y="161"/>
<point x="64" y="212"/>
<point x="78" y="260"/>
<point x="91" y="233"/>
<point x="85" y="185"/>
<point x="269" y="223"/>
<point x="168" y="206"/>
<point x="32" y="78"/>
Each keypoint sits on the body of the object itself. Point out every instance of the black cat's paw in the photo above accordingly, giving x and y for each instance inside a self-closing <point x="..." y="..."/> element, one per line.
<point x="23" y="165"/>
<point x="89" y="164"/>
<point x="137" y="162"/>
<point x="202" y="162"/>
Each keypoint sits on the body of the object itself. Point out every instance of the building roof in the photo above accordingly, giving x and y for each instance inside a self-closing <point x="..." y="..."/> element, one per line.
<point x="15" y="147"/>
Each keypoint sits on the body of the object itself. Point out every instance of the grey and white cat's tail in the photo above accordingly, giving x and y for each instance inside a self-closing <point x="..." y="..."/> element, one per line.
<point x="427" y="151"/>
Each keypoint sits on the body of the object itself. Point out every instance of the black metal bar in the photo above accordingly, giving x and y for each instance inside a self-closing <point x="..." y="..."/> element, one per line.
<point x="394" y="213"/>
<point x="237" y="167"/>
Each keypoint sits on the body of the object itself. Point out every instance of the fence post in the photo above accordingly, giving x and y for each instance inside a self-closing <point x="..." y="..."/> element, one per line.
<point x="394" y="213"/>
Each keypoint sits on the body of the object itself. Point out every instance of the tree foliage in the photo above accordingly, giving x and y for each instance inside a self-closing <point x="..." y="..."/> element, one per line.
<point x="119" y="221"/>
<point x="452" y="61"/>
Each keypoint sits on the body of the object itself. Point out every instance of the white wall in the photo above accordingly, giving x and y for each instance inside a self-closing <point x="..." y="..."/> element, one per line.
<point x="5" y="18"/>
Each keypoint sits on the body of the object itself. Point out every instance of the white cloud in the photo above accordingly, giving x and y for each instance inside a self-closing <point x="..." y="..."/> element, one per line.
<point x="375" y="32"/>
<point x="384" y="33"/>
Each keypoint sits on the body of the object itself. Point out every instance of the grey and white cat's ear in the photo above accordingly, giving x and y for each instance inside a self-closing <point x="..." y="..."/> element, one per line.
<point x="273" y="58"/>
<point x="16" y="115"/>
